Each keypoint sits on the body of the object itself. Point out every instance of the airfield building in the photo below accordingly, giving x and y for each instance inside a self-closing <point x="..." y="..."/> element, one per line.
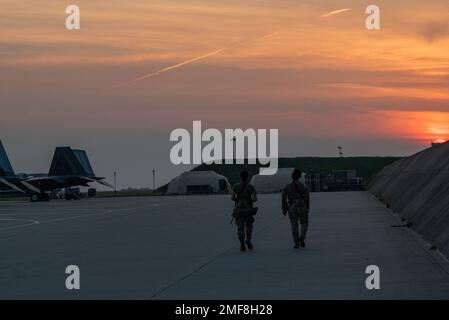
<point x="274" y="183"/>
<point x="335" y="180"/>
<point x="198" y="182"/>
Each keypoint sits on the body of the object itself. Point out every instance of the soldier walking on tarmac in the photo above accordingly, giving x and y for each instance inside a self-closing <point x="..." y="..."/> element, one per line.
<point x="244" y="196"/>
<point x="296" y="203"/>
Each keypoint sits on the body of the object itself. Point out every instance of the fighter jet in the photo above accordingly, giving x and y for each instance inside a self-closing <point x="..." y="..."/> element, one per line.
<point x="8" y="179"/>
<point x="69" y="168"/>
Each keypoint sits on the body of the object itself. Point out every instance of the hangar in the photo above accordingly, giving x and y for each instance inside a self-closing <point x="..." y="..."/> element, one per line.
<point x="198" y="182"/>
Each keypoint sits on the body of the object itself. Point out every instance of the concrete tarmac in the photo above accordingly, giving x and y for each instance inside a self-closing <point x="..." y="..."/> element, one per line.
<point x="183" y="247"/>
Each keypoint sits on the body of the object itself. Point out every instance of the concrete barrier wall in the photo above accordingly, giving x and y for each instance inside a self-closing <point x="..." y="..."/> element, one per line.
<point x="417" y="188"/>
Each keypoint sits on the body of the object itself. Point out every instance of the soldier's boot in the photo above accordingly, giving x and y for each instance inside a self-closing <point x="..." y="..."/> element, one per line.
<point x="249" y="233"/>
<point x="248" y="238"/>
<point x="242" y="246"/>
<point x="295" y="230"/>
<point x="296" y="241"/>
<point x="304" y="228"/>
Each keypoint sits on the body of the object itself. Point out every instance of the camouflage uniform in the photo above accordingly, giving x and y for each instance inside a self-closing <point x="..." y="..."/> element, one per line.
<point x="296" y="201"/>
<point x="242" y="197"/>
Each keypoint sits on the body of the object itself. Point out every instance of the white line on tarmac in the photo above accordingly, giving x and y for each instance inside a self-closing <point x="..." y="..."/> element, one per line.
<point x="106" y="211"/>
<point x="30" y="223"/>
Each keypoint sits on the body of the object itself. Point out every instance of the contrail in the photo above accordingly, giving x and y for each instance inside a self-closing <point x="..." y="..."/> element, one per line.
<point x="335" y="12"/>
<point x="193" y="60"/>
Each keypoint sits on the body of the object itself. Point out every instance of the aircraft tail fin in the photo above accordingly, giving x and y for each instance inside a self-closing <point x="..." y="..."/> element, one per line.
<point x="5" y="165"/>
<point x="67" y="161"/>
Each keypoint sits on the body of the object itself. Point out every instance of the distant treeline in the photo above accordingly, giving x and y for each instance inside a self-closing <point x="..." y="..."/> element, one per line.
<point x="366" y="167"/>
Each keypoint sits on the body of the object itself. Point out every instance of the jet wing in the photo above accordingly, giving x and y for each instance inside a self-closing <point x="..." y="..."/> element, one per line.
<point x="11" y="185"/>
<point x="55" y="182"/>
<point x="105" y="183"/>
<point x="46" y="180"/>
<point x="30" y="186"/>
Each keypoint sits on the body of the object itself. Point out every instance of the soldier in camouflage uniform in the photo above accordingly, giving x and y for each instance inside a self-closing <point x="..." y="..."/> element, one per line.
<point x="296" y="203"/>
<point x="244" y="196"/>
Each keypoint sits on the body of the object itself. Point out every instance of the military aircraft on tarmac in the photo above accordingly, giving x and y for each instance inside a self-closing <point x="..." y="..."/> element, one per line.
<point x="69" y="168"/>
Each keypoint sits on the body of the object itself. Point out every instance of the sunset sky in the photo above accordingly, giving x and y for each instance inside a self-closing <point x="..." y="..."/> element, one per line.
<point x="322" y="80"/>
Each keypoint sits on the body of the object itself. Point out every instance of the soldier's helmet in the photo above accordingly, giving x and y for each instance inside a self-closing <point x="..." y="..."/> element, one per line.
<point x="296" y="174"/>
<point x="244" y="175"/>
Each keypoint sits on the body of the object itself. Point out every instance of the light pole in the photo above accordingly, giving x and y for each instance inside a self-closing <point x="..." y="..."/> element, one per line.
<point x="234" y="149"/>
<point x="115" y="183"/>
<point x="154" y="174"/>
<point x="340" y="151"/>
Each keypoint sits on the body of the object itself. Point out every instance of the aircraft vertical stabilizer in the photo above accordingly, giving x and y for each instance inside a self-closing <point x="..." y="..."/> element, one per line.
<point x="5" y="165"/>
<point x="65" y="163"/>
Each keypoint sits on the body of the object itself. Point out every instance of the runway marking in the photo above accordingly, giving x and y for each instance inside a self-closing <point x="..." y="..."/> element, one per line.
<point x="49" y="212"/>
<point x="104" y="211"/>
<point x="73" y="217"/>
<point x="135" y="208"/>
<point x="54" y="206"/>
<point x="30" y="223"/>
